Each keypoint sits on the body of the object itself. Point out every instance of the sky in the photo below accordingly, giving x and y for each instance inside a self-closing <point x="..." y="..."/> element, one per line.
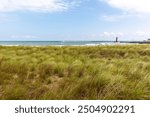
<point x="93" y="20"/>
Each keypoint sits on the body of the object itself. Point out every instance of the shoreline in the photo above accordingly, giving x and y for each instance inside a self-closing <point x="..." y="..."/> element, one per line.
<point x="68" y="43"/>
<point x="88" y="45"/>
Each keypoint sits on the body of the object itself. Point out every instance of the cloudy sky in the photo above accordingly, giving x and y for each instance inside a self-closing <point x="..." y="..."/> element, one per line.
<point x="74" y="19"/>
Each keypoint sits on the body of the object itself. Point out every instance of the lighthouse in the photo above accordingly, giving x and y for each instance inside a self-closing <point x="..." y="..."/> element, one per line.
<point x="117" y="39"/>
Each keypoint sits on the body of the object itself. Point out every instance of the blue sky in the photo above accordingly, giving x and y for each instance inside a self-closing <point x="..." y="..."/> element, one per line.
<point x="74" y="19"/>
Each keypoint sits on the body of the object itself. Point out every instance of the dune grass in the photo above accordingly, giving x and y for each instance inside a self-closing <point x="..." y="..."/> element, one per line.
<point x="100" y="72"/>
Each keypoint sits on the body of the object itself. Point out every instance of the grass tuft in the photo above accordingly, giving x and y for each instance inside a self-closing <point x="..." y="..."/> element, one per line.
<point x="99" y="72"/>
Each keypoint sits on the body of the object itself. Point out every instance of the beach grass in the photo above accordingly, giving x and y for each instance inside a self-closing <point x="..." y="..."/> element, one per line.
<point x="118" y="72"/>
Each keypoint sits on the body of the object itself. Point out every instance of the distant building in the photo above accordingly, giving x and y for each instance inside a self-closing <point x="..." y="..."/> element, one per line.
<point x="148" y="40"/>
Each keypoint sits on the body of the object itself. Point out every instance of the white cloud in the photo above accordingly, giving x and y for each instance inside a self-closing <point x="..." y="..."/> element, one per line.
<point x="111" y="34"/>
<point x="4" y="17"/>
<point x="118" y="17"/>
<point x="111" y="17"/>
<point x="139" y="6"/>
<point x="34" y="5"/>
<point x="142" y="33"/>
<point x="24" y="37"/>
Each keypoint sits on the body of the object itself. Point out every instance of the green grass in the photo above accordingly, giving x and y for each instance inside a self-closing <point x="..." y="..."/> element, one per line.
<point x="100" y="72"/>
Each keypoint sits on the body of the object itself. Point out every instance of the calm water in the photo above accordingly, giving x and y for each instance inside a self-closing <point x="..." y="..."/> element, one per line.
<point x="55" y="43"/>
